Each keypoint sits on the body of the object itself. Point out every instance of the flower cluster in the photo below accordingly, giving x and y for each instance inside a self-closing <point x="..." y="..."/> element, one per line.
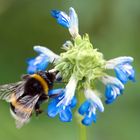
<point x="80" y="65"/>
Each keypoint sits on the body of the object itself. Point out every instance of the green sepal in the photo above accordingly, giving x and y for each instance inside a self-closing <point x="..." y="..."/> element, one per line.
<point x="81" y="60"/>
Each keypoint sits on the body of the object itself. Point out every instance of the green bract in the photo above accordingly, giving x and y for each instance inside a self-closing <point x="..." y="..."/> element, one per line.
<point x="81" y="60"/>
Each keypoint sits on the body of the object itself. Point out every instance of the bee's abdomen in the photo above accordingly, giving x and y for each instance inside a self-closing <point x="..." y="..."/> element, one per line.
<point x="12" y="108"/>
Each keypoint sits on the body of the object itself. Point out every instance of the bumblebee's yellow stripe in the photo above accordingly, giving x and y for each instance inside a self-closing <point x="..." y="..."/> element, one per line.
<point x="42" y="81"/>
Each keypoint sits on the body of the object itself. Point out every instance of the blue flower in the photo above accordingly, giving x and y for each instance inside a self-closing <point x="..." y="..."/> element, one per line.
<point x="123" y="69"/>
<point x="66" y="100"/>
<point x="89" y="107"/>
<point x="62" y="18"/>
<point x="114" y="88"/>
<point x="125" y="72"/>
<point x="64" y="112"/>
<point x="40" y="63"/>
<point x="88" y="110"/>
<point x="69" y="21"/>
<point x="111" y="93"/>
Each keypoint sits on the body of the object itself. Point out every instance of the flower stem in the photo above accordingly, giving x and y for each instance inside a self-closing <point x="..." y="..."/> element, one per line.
<point x="83" y="132"/>
<point x="82" y="128"/>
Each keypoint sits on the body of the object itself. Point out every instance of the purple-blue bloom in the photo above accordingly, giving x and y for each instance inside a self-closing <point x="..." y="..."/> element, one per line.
<point x="114" y="88"/>
<point x="61" y="17"/>
<point x="40" y="63"/>
<point x="125" y="72"/>
<point x="111" y="93"/>
<point x="64" y="112"/>
<point x="123" y="68"/>
<point x="69" y="21"/>
<point x="88" y="110"/>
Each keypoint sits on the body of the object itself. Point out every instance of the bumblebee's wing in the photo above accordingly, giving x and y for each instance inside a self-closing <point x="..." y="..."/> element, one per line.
<point x="7" y="90"/>
<point x="23" y="109"/>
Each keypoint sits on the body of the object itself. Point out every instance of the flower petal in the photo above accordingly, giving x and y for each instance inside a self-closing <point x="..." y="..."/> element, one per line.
<point x="121" y="75"/>
<point x="91" y="95"/>
<point x="31" y="69"/>
<point x="65" y="115"/>
<point x="61" y="17"/>
<point x="51" y="55"/>
<point x="73" y="102"/>
<point x="69" y="91"/>
<point x="53" y="110"/>
<point x="109" y="101"/>
<point x="56" y="91"/>
<point x="70" y="22"/>
<point x="111" y="93"/>
<point x="73" y="22"/>
<point x="111" y="64"/>
<point x="40" y="63"/>
<point x="112" y="80"/>
<point x="88" y="119"/>
<point x="84" y="107"/>
<point x="125" y="72"/>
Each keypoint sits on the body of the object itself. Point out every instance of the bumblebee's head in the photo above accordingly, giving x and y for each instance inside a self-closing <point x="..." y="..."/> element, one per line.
<point x="49" y="77"/>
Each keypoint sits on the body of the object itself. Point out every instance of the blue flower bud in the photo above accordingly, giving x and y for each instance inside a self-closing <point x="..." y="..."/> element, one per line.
<point x="61" y="17"/>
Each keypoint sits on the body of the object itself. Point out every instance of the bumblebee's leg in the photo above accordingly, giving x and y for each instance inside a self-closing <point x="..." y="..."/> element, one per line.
<point x="37" y="109"/>
<point x="42" y="98"/>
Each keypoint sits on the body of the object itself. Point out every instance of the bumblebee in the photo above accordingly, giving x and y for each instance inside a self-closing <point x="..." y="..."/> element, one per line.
<point x="27" y="95"/>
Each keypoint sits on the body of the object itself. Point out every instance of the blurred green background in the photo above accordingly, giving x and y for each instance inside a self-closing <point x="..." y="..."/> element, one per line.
<point x="114" y="28"/>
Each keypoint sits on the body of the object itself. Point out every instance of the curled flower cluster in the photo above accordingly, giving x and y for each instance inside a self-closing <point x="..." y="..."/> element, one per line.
<point x="80" y="65"/>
